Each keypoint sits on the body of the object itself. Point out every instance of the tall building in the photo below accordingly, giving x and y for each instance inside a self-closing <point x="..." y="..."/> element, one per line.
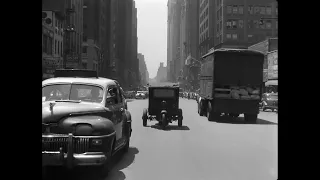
<point x="238" y="22"/>
<point x="94" y="34"/>
<point x="173" y="52"/>
<point x="206" y="25"/>
<point x="144" y="74"/>
<point x="190" y="45"/>
<point x="161" y="73"/>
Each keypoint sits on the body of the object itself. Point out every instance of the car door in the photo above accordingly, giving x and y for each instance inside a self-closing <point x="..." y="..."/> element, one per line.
<point x="115" y="107"/>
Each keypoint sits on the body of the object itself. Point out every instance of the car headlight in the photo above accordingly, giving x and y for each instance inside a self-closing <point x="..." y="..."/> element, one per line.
<point x="96" y="142"/>
<point x="83" y="129"/>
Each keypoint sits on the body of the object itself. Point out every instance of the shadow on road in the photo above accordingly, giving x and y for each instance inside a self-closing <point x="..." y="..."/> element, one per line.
<point x="170" y="127"/>
<point x="118" y="162"/>
<point x="240" y="120"/>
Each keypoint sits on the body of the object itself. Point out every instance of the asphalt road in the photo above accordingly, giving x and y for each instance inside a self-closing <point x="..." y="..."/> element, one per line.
<point x="200" y="150"/>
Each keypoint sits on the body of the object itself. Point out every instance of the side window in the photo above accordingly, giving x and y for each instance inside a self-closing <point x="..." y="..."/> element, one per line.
<point x="112" y="95"/>
<point x="119" y="95"/>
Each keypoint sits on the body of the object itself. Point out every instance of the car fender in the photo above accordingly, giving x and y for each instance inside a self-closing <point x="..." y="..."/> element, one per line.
<point x="128" y="116"/>
<point x="265" y="103"/>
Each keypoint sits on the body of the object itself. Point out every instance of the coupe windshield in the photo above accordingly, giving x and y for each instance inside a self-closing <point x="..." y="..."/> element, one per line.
<point x="89" y="93"/>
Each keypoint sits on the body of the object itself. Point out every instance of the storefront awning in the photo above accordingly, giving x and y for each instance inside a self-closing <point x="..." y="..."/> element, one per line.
<point x="272" y="83"/>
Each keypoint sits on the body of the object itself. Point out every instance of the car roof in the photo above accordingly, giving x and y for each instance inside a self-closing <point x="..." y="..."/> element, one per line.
<point x="98" y="81"/>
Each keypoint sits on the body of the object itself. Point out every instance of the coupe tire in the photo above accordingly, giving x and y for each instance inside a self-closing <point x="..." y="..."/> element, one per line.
<point x="200" y="107"/>
<point x="145" y="117"/>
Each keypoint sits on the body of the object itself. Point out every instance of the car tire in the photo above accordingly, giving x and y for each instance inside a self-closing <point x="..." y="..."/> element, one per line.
<point x="180" y="117"/>
<point x="145" y="117"/>
<point x="103" y="170"/>
<point x="163" y="121"/>
<point x="212" y="116"/>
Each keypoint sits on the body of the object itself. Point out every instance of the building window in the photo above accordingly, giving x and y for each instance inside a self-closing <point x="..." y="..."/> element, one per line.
<point x="49" y="50"/>
<point x="229" y="24"/>
<point x="256" y="24"/>
<point x="268" y="10"/>
<point x="234" y="36"/>
<point x="262" y="10"/>
<point x="268" y="24"/>
<point x="250" y="9"/>
<point x="276" y="24"/>
<point x="84" y="49"/>
<point x="249" y="22"/>
<point x="240" y="23"/>
<point x="61" y="49"/>
<point x="256" y="9"/>
<point x="55" y="46"/>
<point x="263" y="25"/>
<point x="229" y="9"/>
<point x="218" y="13"/>
<point x="234" y="24"/>
<point x="218" y="27"/>
<point x="58" y="48"/>
<point x="240" y="9"/>
<point x="277" y="10"/>
<point x="235" y="10"/>
<point x="228" y="36"/>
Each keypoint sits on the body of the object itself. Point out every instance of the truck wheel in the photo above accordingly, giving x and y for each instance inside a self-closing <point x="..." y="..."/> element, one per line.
<point x="200" y="108"/>
<point x="180" y="117"/>
<point x="252" y="118"/>
<point x="144" y="117"/>
<point x="163" y="121"/>
<point x="212" y="116"/>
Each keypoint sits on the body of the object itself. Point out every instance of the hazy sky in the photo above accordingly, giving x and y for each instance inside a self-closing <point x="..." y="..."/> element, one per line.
<point x="152" y="33"/>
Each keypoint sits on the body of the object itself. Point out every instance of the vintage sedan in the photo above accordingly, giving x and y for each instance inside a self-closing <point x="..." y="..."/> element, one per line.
<point x="269" y="101"/>
<point x="140" y="95"/>
<point x="84" y="120"/>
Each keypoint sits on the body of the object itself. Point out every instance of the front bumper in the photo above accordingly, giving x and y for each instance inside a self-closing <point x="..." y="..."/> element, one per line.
<point x="70" y="159"/>
<point x="57" y="158"/>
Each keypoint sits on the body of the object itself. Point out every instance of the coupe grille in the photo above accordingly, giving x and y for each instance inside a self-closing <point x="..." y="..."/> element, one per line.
<point x="80" y="145"/>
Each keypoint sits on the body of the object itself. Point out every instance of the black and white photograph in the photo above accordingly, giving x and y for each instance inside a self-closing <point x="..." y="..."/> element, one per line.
<point x="160" y="90"/>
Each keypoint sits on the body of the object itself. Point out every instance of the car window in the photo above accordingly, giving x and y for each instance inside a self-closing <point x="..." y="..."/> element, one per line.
<point x="112" y="92"/>
<point x="83" y="92"/>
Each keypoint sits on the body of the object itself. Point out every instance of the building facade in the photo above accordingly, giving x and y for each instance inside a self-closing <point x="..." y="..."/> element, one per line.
<point x="238" y="22"/>
<point x="206" y="25"/>
<point x="144" y="74"/>
<point x="161" y="73"/>
<point x="174" y="18"/>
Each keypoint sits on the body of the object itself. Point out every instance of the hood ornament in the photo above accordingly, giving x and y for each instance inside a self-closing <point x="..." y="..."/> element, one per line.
<point x="51" y="106"/>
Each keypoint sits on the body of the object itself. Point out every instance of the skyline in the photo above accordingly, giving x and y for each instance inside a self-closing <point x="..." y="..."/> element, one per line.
<point x="152" y="33"/>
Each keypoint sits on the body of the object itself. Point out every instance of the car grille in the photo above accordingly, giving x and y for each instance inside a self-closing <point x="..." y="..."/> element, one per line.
<point x="80" y="145"/>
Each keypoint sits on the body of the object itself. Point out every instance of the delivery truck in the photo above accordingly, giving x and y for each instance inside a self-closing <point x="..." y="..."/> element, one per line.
<point x="231" y="81"/>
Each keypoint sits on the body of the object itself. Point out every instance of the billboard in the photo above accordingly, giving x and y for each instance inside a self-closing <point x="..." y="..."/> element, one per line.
<point x="273" y="64"/>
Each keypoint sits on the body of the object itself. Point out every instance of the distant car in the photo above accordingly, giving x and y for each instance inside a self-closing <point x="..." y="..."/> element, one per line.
<point x="269" y="101"/>
<point x="140" y="95"/>
<point x="163" y="106"/>
<point x="84" y="120"/>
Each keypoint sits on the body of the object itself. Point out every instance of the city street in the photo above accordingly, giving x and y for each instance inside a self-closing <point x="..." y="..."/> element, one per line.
<point x="200" y="150"/>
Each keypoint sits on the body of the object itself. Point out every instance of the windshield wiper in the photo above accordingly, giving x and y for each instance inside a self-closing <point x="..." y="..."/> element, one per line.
<point x="72" y="101"/>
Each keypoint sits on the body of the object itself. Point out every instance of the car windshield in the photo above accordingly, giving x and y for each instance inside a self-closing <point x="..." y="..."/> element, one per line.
<point x="163" y="93"/>
<point x="89" y="93"/>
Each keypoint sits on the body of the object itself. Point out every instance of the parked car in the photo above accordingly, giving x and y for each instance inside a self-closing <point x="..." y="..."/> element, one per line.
<point x="163" y="106"/>
<point x="140" y="95"/>
<point x="84" y="120"/>
<point x="269" y="101"/>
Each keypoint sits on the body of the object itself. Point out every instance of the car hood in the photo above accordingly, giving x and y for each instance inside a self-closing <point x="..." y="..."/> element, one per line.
<point x="64" y="109"/>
